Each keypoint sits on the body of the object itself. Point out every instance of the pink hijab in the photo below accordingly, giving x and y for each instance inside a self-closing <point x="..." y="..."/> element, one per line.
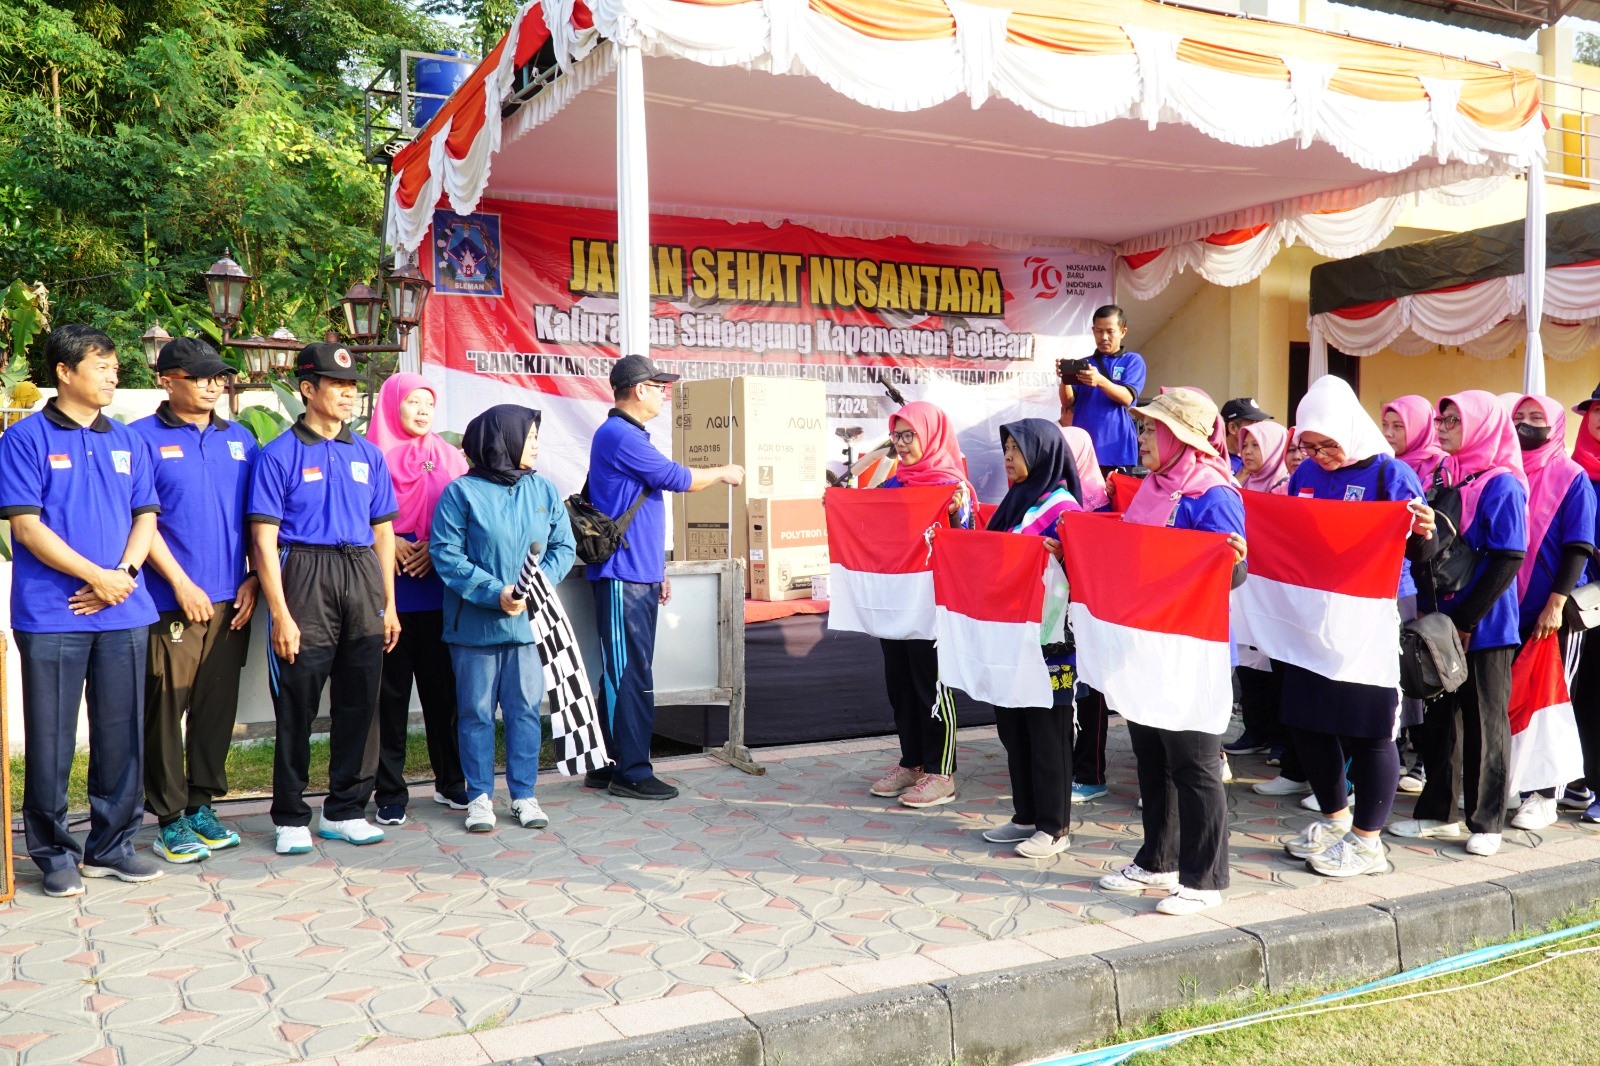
<point x="1587" y="449"/>
<point x="1183" y="471"/>
<point x="1422" y="452"/>
<point x="1551" y="473"/>
<point x="941" y="462"/>
<point x="1488" y="447"/>
<point x="1081" y="445"/>
<point x="1273" y="440"/>
<point x="420" y="467"/>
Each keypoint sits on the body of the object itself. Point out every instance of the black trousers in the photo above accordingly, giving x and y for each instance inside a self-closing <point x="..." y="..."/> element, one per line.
<point x="420" y="654"/>
<point x="924" y="710"/>
<point x="1586" y="704"/>
<point x="1039" y="757"/>
<point x="1260" y="694"/>
<point x="191" y="698"/>
<point x="1467" y="745"/>
<point x="335" y="596"/>
<point x="1374" y="770"/>
<point x="1185" y="809"/>
<point x="1089" y="746"/>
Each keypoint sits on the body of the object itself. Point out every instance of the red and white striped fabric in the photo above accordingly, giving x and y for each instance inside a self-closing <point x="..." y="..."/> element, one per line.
<point x="880" y="576"/>
<point x="989" y="593"/>
<point x="1322" y="584"/>
<point x="1150" y="618"/>
<point x="1545" y="749"/>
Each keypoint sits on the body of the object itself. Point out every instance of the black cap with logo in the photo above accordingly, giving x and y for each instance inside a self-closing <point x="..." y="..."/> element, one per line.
<point x="329" y="361"/>
<point x="191" y="357"/>
<point x="1244" y="409"/>
<point x="633" y="370"/>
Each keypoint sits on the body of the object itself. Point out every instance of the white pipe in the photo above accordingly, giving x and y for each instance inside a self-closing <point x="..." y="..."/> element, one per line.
<point x="633" y="201"/>
<point x="1533" y="265"/>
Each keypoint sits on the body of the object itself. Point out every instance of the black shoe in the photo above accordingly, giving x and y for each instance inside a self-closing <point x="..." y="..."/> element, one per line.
<point x="1247" y="744"/>
<point x="651" y="788"/>
<point x="128" y="868"/>
<point x="392" y="814"/>
<point x="600" y="778"/>
<point x="63" y="882"/>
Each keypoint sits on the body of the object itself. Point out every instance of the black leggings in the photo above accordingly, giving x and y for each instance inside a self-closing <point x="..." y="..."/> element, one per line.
<point x="1089" y="747"/>
<point x="1374" y="770"/>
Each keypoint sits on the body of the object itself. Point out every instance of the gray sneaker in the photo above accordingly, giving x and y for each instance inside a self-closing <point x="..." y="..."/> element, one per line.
<point x="1351" y="857"/>
<point x="1317" y="838"/>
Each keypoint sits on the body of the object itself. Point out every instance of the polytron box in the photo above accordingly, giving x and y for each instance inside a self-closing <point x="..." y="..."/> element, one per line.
<point x="788" y="547"/>
<point x="773" y="427"/>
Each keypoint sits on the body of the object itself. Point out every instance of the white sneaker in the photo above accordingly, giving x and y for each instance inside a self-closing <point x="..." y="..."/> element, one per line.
<point x="1317" y="838"/>
<point x="1425" y="829"/>
<point x="529" y="814"/>
<point x="1280" y="786"/>
<point x="1351" y="857"/>
<point x="293" y="840"/>
<point x="480" y="814"/>
<point x="355" y="830"/>
<point x="1009" y="833"/>
<point x="1189" y="901"/>
<point x="1483" y="843"/>
<point x="1310" y="802"/>
<point x="1536" y="812"/>
<point x="1042" y="845"/>
<point x="1227" y="771"/>
<point x="1135" y="878"/>
<point x="1413" y="780"/>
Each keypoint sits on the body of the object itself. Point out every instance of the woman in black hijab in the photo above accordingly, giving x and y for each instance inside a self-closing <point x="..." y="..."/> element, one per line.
<point x="496" y="443"/>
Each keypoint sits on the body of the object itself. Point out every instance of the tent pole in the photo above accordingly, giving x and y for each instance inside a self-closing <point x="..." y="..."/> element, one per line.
<point x="633" y="201"/>
<point x="1533" y="265"/>
<point x="1317" y="360"/>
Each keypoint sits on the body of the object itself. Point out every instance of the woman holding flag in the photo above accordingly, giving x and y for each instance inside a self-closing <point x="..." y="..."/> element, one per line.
<point x="928" y="454"/>
<point x="1561" y="521"/>
<point x="1185" y="812"/>
<point x="1093" y="716"/>
<point x="1586" y="679"/>
<point x="1038" y="740"/>
<point x="1344" y="731"/>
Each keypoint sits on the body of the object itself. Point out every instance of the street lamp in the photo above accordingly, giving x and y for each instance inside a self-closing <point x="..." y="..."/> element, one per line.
<point x="153" y="339"/>
<point x="362" y="307"/>
<point x="226" y="282"/>
<point x="408" y="295"/>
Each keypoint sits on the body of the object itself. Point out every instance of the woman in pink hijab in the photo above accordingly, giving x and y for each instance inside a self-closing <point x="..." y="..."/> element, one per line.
<point x="1090" y="479"/>
<point x="1408" y="427"/>
<point x="1264" y="451"/>
<point x="421" y="464"/>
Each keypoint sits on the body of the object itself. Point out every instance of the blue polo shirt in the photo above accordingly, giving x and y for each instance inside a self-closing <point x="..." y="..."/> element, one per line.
<point x="1500" y="524"/>
<point x="622" y="464"/>
<point x="320" y="491"/>
<point x="1380" y="478"/>
<point x="1573" y="524"/>
<point x="201" y="476"/>
<point x="86" y="484"/>
<point x="1108" y="423"/>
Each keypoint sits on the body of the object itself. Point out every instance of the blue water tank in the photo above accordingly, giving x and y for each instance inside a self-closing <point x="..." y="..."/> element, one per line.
<point x="440" y="77"/>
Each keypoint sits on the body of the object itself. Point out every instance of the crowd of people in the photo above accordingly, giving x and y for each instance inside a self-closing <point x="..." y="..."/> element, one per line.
<point x="391" y="559"/>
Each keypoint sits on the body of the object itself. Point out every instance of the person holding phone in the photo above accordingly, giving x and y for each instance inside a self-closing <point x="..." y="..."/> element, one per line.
<point x="1098" y="393"/>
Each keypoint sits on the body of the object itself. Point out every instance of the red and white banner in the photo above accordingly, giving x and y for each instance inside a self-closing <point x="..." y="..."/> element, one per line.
<point x="525" y="301"/>
<point x="1150" y="617"/>
<point x="989" y="592"/>
<point x="1322" y="585"/>
<point x="880" y="552"/>
<point x="1545" y="749"/>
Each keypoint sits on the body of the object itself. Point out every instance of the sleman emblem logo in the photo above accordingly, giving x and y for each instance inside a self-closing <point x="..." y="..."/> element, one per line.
<point x="175" y="631"/>
<point x="236" y="449"/>
<point x="342" y="357"/>
<point x="122" y="462"/>
<point x="359" y="472"/>
<point x="466" y="254"/>
<point x="1354" y="493"/>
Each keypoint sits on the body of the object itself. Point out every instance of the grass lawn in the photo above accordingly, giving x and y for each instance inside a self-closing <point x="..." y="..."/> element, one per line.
<point x="1539" y="1016"/>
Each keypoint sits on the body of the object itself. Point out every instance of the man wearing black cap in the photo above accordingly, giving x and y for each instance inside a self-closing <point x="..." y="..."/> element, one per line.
<point x="630" y="586"/>
<point x="205" y="589"/>
<point x="321" y="515"/>
<point x="1236" y="414"/>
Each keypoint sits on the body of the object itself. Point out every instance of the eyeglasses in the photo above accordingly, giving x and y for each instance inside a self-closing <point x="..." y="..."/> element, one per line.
<point x="658" y="386"/>
<point x="1447" y="421"/>
<point x="903" y="436"/>
<point x="1311" y="451"/>
<point x="202" y="383"/>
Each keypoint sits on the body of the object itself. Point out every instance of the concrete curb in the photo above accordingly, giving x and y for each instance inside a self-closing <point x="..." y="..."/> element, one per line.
<point x="1037" y="1009"/>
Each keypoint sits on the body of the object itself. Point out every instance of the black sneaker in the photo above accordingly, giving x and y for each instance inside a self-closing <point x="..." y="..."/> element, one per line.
<point x="392" y="814"/>
<point x="600" y="778"/>
<point x="1247" y="744"/>
<point x="651" y="788"/>
<point x="63" y="882"/>
<point x="125" y="868"/>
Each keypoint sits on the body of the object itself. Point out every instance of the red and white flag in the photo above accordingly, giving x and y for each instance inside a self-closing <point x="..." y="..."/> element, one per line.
<point x="1322" y="585"/>
<point x="990" y="591"/>
<point x="1545" y="749"/>
<point x="1150" y="617"/>
<point x="880" y="576"/>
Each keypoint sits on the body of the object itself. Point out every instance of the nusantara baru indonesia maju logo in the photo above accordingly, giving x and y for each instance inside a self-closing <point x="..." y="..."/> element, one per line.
<point x="466" y="254"/>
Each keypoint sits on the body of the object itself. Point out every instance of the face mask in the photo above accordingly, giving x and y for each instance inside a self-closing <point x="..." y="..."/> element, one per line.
<point x="1531" y="437"/>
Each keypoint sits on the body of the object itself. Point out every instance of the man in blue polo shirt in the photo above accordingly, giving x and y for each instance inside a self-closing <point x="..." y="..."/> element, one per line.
<point x="206" y="592"/>
<point x="631" y="586"/>
<point x="321" y="516"/>
<point x="77" y="489"/>
<point x="1098" y="399"/>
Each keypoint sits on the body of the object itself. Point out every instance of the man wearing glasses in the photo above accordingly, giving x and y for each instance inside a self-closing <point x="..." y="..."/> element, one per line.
<point x="205" y="589"/>
<point x="631" y="586"/>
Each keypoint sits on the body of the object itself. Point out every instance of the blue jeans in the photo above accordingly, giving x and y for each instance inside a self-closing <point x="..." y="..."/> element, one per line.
<point x="55" y="669"/>
<point x="512" y="676"/>
<point x="625" y="612"/>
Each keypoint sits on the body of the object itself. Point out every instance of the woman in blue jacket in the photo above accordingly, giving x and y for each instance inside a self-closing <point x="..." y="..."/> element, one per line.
<point x="485" y="525"/>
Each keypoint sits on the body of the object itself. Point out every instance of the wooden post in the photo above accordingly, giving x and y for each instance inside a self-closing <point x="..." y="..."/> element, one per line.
<point x="8" y="880"/>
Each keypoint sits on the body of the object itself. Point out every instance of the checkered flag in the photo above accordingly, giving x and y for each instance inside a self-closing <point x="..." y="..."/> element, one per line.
<point x="574" y="715"/>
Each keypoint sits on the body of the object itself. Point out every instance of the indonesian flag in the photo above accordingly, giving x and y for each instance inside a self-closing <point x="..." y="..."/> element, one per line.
<point x="1322" y="584"/>
<point x="1545" y="749"/>
<point x="881" y="559"/>
<point x="989" y="594"/>
<point x="1150" y="617"/>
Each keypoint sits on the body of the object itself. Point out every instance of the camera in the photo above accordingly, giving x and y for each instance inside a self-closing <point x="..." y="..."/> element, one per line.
<point x="1069" y="369"/>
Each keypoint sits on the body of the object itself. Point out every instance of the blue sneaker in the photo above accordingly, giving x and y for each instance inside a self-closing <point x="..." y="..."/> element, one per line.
<point x="1592" y="815"/>
<point x="1247" y="744"/>
<point x="1085" y="793"/>
<point x="1576" y="799"/>
<point x="212" y="833"/>
<point x="178" y="843"/>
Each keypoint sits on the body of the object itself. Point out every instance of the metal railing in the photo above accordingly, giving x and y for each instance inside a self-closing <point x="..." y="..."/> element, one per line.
<point x="1572" y="142"/>
<point x="389" y="101"/>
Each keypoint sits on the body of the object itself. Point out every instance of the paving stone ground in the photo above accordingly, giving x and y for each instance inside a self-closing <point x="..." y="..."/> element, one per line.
<point x="745" y="894"/>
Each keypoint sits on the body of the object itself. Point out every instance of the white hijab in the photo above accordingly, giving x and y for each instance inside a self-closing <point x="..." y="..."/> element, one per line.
<point x="1330" y="408"/>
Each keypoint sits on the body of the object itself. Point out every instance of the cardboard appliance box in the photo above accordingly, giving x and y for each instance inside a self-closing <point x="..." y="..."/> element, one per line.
<point x="788" y="547"/>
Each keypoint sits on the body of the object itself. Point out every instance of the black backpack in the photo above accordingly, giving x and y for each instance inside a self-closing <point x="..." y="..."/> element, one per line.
<point x="598" y="535"/>
<point x="1453" y="561"/>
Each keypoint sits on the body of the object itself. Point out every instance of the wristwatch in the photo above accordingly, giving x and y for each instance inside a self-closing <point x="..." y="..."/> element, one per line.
<point x="131" y="570"/>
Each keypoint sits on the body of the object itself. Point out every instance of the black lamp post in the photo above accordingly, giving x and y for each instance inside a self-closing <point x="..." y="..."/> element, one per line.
<point x="152" y="340"/>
